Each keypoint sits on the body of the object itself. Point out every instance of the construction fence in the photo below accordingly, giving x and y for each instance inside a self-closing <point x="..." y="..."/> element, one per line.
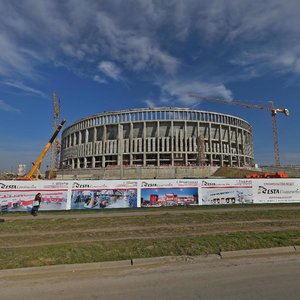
<point x="105" y="194"/>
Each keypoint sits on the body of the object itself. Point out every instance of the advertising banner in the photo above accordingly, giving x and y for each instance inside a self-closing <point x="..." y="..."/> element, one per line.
<point x="19" y="195"/>
<point x="226" y="191"/>
<point x="179" y="192"/>
<point x="276" y="190"/>
<point x="102" y="194"/>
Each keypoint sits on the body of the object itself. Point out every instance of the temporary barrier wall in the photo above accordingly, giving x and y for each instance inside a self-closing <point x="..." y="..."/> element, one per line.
<point x="175" y="192"/>
<point x="104" y="194"/>
<point x="226" y="191"/>
<point x="18" y="195"/>
<point x="283" y="190"/>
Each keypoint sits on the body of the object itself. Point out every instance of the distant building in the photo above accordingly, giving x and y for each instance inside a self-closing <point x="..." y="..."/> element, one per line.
<point x="21" y="170"/>
<point x="157" y="137"/>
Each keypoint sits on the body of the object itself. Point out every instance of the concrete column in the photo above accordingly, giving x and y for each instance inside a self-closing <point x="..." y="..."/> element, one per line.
<point x="144" y="144"/>
<point x="79" y="137"/>
<point x="158" y="144"/>
<point x="185" y="145"/>
<point x="103" y="146"/>
<point x="237" y="146"/>
<point x="74" y="138"/>
<point x="229" y="146"/>
<point x="242" y="144"/>
<point x="221" y="145"/>
<point x="131" y="143"/>
<point x="172" y="143"/>
<point x="94" y="141"/>
<point x="86" y="136"/>
<point x="210" y="144"/>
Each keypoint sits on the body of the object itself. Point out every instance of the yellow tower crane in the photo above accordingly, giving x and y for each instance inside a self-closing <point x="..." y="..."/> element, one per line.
<point x="272" y="109"/>
<point x="55" y="147"/>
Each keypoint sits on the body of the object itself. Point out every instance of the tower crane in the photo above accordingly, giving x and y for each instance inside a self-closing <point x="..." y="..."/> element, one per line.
<point x="272" y="109"/>
<point x="55" y="148"/>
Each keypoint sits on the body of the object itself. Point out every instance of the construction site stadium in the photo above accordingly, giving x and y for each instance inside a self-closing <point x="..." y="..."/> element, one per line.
<point x="155" y="138"/>
<point x="154" y="143"/>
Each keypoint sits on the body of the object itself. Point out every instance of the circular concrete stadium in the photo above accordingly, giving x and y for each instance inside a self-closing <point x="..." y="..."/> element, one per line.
<point x="157" y="137"/>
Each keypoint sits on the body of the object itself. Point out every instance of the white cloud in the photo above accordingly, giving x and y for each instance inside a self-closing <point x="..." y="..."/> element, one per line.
<point x="14" y="61"/>
<point x="150" y="103"/>
<point x="136" y="50"/>
<point x="21" y="86"/>
<point x="146" y="36"/>
<point x="110" y="70"/>
<point x="97" y="78"/>
<point x="179" y="92"/>
<point x="6" y="107"/>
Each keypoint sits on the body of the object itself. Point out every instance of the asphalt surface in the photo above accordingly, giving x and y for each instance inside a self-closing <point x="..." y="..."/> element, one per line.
<point x="250" y="276"/>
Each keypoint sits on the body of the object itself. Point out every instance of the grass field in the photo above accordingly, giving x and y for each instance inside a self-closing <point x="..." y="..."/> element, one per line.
<point x="80" y="237"/>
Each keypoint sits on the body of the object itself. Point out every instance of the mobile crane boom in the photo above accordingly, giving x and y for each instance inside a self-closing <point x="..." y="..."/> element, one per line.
<point x="30" y="175"/>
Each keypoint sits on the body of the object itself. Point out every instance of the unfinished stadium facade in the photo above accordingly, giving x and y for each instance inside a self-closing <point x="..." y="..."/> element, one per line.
<point x="157" y="137"/>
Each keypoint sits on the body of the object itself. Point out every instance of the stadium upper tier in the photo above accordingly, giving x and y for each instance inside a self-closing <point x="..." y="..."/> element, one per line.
<point x="157" y="137"/>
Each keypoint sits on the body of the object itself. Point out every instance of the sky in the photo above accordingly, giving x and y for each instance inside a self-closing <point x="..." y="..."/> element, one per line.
<point x="111" y="55"/>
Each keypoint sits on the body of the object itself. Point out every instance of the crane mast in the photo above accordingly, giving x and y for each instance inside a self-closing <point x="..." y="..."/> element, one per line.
<point x="272" y="109"/>
<point x="55" y="147"/>
<point x="275" y="134"/>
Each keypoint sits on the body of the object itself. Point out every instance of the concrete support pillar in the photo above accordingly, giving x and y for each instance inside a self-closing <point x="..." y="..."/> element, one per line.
<point x="103" y="146"/>
<point x="185" y="145"/>
<point x="221" y="145"/>
<point x="172" y="143"/>
<point x="158" y="143"/>
<point x="131" y="143"/>
<point x="210" y="145"/>
<point x="144" y="141"/>
<point x="229" y="146"/>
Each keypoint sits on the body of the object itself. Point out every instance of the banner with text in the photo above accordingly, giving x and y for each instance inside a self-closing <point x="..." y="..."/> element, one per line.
<point x="19" y="195"/>
<point x="168" y="192"/>
<point x="100" y="194"/>
<point x="226" y="191"/>
<point x="276" y="190"/>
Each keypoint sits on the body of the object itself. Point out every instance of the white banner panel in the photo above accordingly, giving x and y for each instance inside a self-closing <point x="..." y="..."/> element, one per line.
<point x="170" y="192"/>
<point x="276" y="190"/>
<point x="226" y="191"/>
<point x="18" y="195"/>
<point x="102" y="194"/>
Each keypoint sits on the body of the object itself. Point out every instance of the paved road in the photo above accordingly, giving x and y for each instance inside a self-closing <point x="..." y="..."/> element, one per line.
<point x="273" y="277"/>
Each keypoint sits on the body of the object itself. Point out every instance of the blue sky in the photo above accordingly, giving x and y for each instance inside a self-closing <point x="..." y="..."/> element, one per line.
<point x="110" y="55"/>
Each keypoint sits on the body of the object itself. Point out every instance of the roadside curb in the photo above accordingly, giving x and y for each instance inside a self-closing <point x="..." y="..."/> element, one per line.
<point x="147" y="262"/>
<point x="260" y="252"/>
